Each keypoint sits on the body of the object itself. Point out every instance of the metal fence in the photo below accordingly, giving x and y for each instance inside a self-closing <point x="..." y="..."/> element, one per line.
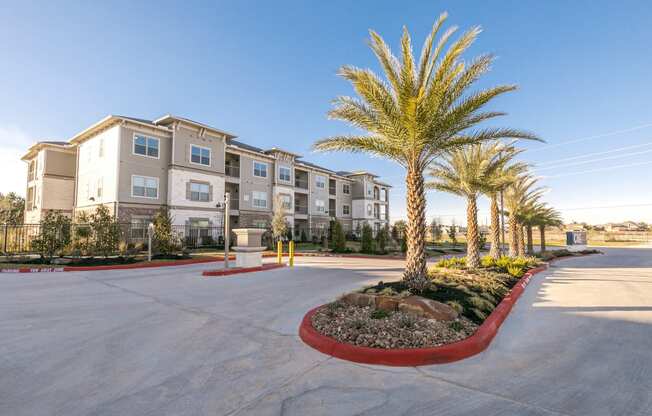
<point x="20" y="238"/>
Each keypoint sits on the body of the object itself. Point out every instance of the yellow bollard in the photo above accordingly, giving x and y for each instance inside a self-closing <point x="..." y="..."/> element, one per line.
<point x="279" y="252"/>
<point x="291" y="249"/>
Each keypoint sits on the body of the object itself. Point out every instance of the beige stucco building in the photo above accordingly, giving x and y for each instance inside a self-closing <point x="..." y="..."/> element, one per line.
<point x="135" y="166"/>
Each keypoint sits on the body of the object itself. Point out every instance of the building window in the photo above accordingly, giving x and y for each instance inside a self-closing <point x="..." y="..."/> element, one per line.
<point x="259" y="224"/>
<point x="139" y="227"/>
<point x="259" y="199"/>
<point x="369" y="190"/>
<point x="383" y="212"/>
<point x="383" y="194"/>
<point x="200" y="155"/>
<point x="284" y="174"/>
<point x="320" y="181"/>
<point x="346" y="210"/>
<point x="30" y="198"/>
<point x="100" y="151"/>
<point x="144" y="187"/>
<point x="146" y="146"/>
<point x="286" y="201"/>
<point x="199" y="192"/>
<point x="369" y="210"/>
<point x="260" y="169"/>
<point x="99" y="189"/>
<point x="346" y="188"/>
<point x="320" y="206"/>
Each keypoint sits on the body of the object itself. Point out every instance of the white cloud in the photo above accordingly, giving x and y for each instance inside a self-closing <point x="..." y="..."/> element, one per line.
<point x="13" y="172"/>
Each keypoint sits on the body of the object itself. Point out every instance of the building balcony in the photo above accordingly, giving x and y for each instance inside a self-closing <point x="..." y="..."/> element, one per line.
<point x="301" y="183"/>
<point x="332" y="190"/>
<point x="301" y="209"/>
<point x="232" y="171"/>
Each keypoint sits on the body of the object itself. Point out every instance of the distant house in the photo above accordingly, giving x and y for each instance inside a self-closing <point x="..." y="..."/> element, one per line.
<point x="625" y="226"/>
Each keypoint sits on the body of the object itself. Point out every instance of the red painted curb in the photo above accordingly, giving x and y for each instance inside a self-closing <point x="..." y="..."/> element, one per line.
<point x="228" y="272"/>
<point x="410" y="357"/>
<point x="112" y="267"/>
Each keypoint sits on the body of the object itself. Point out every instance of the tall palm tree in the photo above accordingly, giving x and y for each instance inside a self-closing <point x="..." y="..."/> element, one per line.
<point x="418" y="112"/>
<point x="547" y="217"/>
<point x="518" y="196"/>
<point x="528" y="217"/>
<point x="496" y="182"/>
<point x="466" y="172"/>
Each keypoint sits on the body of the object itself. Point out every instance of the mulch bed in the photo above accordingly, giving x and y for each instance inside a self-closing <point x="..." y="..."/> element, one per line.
<point x="355" y="325"/>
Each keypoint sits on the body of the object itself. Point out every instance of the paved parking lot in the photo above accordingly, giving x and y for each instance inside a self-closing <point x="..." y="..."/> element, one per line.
<point x="169" y="342"/>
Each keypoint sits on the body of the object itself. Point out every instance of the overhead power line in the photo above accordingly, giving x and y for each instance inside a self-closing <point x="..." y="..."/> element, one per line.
<point x="596" y="170"/>
<point x="616" y="150"/>
<point x="584" y="162"/>
<point x="583" y="139"/>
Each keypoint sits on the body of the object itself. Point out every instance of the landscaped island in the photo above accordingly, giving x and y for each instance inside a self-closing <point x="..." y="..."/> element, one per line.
<point x="390" y="315"/>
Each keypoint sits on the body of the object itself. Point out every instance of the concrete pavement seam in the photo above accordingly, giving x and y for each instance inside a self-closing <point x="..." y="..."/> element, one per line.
<point x="500" y="396"/>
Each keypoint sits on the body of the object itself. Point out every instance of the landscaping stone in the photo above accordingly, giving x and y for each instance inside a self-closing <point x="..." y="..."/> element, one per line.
<point x="387" y="303"/>
<point x="359" y="299"/>
<point x="420" y="306"/>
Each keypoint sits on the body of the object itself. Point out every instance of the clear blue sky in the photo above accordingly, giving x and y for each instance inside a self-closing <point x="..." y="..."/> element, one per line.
<point x="266" y="71"/>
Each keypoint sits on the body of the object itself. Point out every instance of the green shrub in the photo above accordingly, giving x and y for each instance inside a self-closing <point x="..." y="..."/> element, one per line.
<point x="488" y="261"/>
<point x="106" y="231"/>
<point x="456" y="326"/>
<point x="379" y="314"/>
<point x="339" y="239"/>
<point x="381" y="240"/>
<point x="452" y="263"/>
<point x="406" y="321"/>
<point x="54" y="235"/>
<point x="367" y="242"/>
<point x="516" y="270"/>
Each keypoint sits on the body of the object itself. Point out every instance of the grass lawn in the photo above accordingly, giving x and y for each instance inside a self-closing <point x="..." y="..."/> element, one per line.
<point x="35" y="263"/>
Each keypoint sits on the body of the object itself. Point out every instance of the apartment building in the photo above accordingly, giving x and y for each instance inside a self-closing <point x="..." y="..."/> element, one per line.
<point x="134" y="166"/>
<point x="50" y="179"/>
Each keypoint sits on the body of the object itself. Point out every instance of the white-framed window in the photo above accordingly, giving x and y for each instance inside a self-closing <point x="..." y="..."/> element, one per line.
<point x="259" y="199"/>
<point x="383" y="194"/>
<point x="99" y="187"/>
<point x="284" y="174"/>
<point x="260" y="169"/>
<point x="144" y="187"/>
<point x="346" y="210"/>
<point x="346" y="188"/>
<point x="369" y="209"/>
<point x="199" y="192"/>
<point x="370" y="190"/>
<point x="139" y="224"/>
<point x="320" y="205"/>
<point x="320" y="181"/>
<point x="146" y="146"/>
<point x="100" y="150"/>
<point x="200" y="155"/>
<point x="286" y="201"/>
<point x="383" y="212"/>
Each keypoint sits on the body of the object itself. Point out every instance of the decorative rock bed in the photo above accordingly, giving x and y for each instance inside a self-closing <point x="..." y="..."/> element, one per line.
<point x="378" y="328"/>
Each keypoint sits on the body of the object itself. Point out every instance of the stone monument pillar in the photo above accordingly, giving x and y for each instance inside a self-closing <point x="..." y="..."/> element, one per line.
<point x="249" y="248"/>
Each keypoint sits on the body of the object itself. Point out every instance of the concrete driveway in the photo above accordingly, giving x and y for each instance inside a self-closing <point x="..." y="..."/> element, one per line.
<point x="169" y="342"/>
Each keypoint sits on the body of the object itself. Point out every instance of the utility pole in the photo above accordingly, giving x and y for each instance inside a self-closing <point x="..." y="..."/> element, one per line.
<point x="227" y="231"/>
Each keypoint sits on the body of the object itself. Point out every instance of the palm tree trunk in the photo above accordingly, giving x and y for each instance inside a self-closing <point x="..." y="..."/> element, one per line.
<point x="472" y="238"/>
<point x="494" y="251"/>
<point x="415" y="275"/>
<point x="513" y="236"/>
<point x="530" y="243"/>
<point x="521" y="240"/>
<point x="542" y="233"/>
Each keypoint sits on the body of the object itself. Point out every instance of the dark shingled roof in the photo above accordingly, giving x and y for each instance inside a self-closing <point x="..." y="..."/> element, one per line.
<point x="247" y="146"/>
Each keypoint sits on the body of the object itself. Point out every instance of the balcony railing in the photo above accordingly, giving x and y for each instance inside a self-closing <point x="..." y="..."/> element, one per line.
<point x="301" y="183"/>
<point x="233" y="171"/>
<point x="332" y="190"/>
<point x="300" y="209"/>
<point x="234" y="204"/>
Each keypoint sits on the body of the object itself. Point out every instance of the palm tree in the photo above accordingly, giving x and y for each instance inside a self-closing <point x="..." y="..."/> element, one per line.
<point x="528" y="217"/>
<point x="419" y="112"/>
<point x="495" y="183"/>
<point x="547" y="217"/>
<point x="518" y="196"/>
<point x="466" y="172"/>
